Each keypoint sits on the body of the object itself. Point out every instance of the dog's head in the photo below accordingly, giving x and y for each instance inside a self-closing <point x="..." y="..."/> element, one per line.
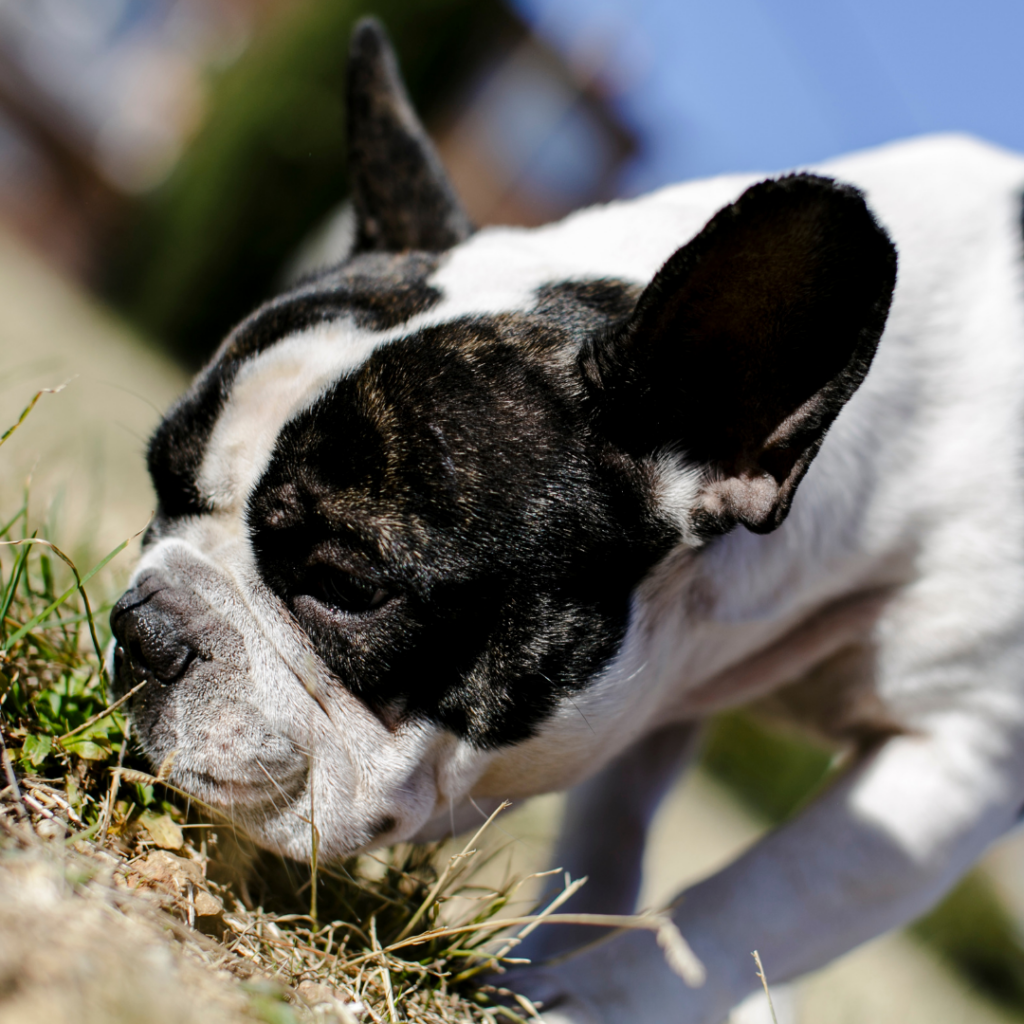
<point x="402" y="522"/>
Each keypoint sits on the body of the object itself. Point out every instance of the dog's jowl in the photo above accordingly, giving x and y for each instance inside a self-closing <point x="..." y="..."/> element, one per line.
<point x="482" y="514"/>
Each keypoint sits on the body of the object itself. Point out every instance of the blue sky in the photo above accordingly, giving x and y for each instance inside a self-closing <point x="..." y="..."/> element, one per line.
<point x="724" y="85"/>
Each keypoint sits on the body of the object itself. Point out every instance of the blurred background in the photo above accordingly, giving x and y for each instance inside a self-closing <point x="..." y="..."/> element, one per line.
<point x="165" y="164"/>
<point x="173" y="155"/>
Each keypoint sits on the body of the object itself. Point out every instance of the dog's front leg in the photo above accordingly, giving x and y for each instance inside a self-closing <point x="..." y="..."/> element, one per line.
<point x="604" y="830"/>
<point x="871" y="853"/>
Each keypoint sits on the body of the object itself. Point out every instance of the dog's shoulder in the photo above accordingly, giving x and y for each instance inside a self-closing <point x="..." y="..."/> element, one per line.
<point x="941" y="197"/>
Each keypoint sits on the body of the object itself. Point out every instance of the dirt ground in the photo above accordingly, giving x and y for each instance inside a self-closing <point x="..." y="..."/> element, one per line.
<point x="85" y="960"/>
<point x="84" y="448"/>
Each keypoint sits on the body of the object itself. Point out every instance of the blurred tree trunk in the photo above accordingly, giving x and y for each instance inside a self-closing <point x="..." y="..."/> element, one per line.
<point x="269" y="162"/>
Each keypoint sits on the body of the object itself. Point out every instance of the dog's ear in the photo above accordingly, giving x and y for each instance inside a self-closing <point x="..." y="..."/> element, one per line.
<point x="401" y="194"/>
<point x="747" y="343"/>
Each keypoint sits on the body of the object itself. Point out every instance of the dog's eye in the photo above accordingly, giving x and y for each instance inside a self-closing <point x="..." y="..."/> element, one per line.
<point x="345" y="592"/>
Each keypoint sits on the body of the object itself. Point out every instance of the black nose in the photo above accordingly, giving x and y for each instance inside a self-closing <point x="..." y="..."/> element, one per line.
<point x="150" y="641"/>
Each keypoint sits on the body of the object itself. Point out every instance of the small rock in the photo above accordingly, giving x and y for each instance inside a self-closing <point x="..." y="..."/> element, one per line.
<point x="323" y="997"/>
<point x="162" y="830"/>
<point x="51" y="828"/>
<point x="314" y="993"/>
<point x="169" y="871"/>
<point x="206" y="904"/>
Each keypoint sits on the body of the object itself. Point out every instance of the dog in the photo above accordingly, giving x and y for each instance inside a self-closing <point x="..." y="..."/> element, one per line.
<point x="485" y="514"/>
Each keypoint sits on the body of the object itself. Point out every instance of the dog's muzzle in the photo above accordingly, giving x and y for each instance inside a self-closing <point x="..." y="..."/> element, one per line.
<point x="151" y="625"/>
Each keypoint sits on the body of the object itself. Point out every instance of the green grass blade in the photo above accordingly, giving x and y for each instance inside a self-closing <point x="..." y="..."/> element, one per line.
<point x="19" y="568"/>
<point x="28" y="408"/>
<point x="17" y="515"/>
<point x="54" y="605"/>
<point x="72" y="620"/>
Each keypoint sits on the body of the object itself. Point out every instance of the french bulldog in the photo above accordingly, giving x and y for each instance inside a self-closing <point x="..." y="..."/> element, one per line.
<point x="476" y="515"/>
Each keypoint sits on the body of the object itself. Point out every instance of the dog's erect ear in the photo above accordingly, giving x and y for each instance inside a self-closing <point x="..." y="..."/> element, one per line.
<point x="747" y="343"/>
<point x="402" y="196"/>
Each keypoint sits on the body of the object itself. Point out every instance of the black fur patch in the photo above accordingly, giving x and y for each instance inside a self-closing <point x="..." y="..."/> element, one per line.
<point x="748" y="342"/>
<point x="587" y="305"/>
<point x="455" y="472"/>
<point x="378" y="291"/>
<point x="402" y="196"/>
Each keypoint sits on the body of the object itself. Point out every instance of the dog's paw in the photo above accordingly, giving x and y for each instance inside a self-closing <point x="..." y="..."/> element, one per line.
<point x="624" y="979"/>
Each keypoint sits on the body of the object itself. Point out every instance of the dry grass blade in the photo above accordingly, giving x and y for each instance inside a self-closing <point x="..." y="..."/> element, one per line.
<point x="438" y="888"/>
<point x="680" y="956"/>
<point x="28" y="409"/>
<point x="105" y="713"/>
<point x="571" y="888"/>
<point x="764" y="984"/>
<point x="12" y="781"/>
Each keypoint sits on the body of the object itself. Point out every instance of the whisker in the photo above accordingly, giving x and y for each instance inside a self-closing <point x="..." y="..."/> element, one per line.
<point x="275" y="784"/>
<point x="575" y="705"/>
<point x="635" y="673"/>
<point x="580" y="713"/>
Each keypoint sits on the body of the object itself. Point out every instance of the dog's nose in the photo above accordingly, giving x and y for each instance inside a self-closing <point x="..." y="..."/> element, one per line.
<point x="150" y="644"/>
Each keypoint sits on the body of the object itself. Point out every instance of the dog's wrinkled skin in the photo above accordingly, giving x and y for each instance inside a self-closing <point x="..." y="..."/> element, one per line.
<point x="474" y="516"/>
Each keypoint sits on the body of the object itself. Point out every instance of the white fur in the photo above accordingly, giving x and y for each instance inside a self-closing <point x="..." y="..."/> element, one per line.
<point x="269" y="390"/>
<point x="917" y="495"/>
<point x="918" y="488"/>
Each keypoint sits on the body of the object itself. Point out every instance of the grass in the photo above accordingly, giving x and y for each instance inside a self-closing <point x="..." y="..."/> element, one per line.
<point x="379" y="936"/>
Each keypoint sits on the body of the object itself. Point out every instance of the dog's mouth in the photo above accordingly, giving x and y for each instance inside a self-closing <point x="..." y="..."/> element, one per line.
<point x="255" y="789"/>
<point x="218" y="747"/>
